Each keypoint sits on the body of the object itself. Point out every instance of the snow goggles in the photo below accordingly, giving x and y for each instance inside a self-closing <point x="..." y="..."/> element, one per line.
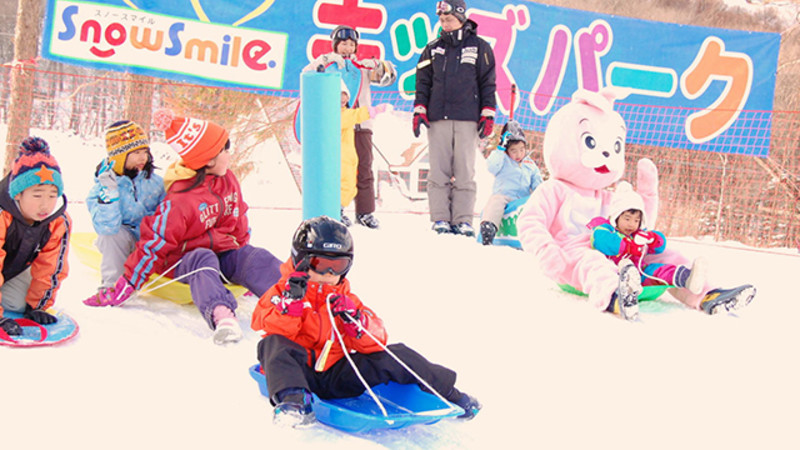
<point x="345" y="34"/>
<point x="336" y="265"/>
<point x="448" y="8"/>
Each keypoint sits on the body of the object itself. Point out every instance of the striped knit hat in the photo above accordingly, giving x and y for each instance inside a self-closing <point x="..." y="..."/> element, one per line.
<point x="196" y="141"/>
<point x="34" y="166"/>
<point x="122" y="138"/>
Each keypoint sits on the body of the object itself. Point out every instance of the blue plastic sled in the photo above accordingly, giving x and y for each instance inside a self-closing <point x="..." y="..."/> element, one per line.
<point x="35" y="335"/>
<point x="406" y="404"/>
<point x="507" y="232"/>
<point x="351" y="75"/>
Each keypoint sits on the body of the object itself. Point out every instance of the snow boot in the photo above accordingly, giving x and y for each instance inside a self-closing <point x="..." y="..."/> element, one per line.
<point x="227" y="331"/>
<point x="488" y="230"/>
<point x="368" y="220"/>
<point x="441" y="226"/>
<point x="345" y="220"/>
<point x="722" y="300"/>
<point x="468" y="403"/>
<point x="625" y="302"/>
<point x="293" y="408"/>
<point x="693" y="279"/>
<point x="464" y="228"/>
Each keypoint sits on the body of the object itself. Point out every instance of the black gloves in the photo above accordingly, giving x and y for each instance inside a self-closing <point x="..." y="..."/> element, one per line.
<point x="10" y="327"/>
<point x="39" y="316"/>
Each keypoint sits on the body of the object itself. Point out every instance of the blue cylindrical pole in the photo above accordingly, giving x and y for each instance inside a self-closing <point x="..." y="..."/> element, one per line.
<point x="321" y="135"/>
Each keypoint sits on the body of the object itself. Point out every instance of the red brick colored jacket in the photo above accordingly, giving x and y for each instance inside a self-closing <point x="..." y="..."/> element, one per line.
<point x="211" y="215"/>
<point x="314" y="327"/>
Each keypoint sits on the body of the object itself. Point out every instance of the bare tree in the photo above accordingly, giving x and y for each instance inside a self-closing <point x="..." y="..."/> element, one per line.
<point x="26" y="48"/>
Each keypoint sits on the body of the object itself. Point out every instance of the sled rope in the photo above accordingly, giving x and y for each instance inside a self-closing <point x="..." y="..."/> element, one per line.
<point x="389" y="352"/>
<point x="350" y="360"/>
<point x="399" y="361"/>
<point x="145" y="289"/>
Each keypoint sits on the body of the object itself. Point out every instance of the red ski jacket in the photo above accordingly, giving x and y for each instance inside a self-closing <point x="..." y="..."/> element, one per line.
<point x="314" y="328"/>
<point x="212" y="215"/>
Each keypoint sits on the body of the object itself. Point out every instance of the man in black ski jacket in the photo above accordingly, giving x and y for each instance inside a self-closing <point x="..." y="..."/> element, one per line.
<point x="455" y="99"/>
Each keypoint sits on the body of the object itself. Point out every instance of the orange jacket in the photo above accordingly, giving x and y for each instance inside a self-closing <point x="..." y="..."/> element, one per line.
<point x="49" y="268"/>
<point x="314" y="328"/>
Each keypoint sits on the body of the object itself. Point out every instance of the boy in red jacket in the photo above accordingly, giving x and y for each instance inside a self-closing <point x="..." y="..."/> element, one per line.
<point x="301" y="354"/>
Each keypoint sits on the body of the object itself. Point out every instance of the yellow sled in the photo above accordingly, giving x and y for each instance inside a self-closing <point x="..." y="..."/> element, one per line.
<point x="83" y="245"/>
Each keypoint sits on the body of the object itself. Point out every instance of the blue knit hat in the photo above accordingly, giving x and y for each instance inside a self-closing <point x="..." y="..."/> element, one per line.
<point x="34" y="166"/>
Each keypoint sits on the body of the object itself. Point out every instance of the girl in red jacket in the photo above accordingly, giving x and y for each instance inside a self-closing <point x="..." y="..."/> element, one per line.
<point x="301" y="353"/>
<point x="200" y="229"/>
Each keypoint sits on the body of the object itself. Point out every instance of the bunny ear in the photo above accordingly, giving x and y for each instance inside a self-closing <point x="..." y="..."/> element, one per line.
<point x="613" y="93"/>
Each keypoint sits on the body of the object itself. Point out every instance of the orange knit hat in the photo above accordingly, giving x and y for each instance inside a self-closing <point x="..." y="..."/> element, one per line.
<point x="196" y="141"/>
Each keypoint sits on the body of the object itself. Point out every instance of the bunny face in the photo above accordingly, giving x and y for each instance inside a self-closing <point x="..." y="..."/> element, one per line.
<point x="584" y="143"/>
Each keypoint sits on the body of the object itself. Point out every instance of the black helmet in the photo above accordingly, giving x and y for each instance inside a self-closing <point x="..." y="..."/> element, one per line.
<point x="321" y="236"/>
<point x="512" y="132"/>
<point x="343" y="33"/>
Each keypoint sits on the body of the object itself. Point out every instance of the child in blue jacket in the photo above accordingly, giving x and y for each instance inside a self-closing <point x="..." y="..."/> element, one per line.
<point x="125" y="191"/>
<point x="515" y="176"/>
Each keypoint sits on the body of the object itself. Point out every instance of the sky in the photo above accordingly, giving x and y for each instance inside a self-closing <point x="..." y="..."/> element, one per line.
<point x="550" y="371"/>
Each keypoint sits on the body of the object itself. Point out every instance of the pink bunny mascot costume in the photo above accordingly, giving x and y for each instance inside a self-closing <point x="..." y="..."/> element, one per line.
<point x="584" y="151"/>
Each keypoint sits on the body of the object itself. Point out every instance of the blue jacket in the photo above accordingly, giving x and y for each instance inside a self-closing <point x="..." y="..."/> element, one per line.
<point x="138" y="197"/>
<point x="511" y="178"/>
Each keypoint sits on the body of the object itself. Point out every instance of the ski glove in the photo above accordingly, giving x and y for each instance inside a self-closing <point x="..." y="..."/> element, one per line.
<point x="323" y="61"/>
<point x="10" y="327"/>
<point x="39" y="316"/>
<point x="112" y="296"/>
<point x="420" y="118"/>
<point x="297" y="283"/>
<point x="344" y="307"/>
<point x="109" y="192"/>
<point x="486" y="123"/>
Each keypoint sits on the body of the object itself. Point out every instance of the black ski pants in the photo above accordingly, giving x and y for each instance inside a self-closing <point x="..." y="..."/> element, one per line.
<point x="285" y="366"/>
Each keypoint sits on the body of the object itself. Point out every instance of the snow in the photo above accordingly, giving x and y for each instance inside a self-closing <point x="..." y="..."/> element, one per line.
<point x="550" y="371"/>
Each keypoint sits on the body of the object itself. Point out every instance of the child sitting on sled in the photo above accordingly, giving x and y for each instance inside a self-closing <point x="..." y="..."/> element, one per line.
<point x="125" y="191"/>
<point x="303" y="315"/>
<point x="34" y="230"/>
<point x="623" y="236"/>
<point x="200" y="230"/>
<point x="515" y="176"/>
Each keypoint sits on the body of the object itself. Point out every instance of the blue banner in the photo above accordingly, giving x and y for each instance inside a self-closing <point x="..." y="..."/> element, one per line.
<point x="699" y="88"/>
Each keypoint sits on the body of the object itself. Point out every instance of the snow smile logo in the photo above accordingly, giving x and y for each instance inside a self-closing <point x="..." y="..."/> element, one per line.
<point x="119" y="36"/>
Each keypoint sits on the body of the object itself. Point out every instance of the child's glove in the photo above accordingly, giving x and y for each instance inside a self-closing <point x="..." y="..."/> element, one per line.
<point x="10" y="327"/>
<point x="112" y="296"/>
<point x="297" y="283"/>
<point x="325" y="60"/>
<point x="375" y="110"/>
<point x="291" y="302"/>
<point x="344" y="307"/>
<point x="39" y="316"/>
<point x="420" y="118"/>
<point x="109" y="192"/>
<point x="486" y="123"/>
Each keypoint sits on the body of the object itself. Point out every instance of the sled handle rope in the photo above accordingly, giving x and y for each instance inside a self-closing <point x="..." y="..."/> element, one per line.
<point x="145" y="289"/>
<point x="389" y="352"/>
<point x="350" y="360"/>
<point x="25" y="323"/>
